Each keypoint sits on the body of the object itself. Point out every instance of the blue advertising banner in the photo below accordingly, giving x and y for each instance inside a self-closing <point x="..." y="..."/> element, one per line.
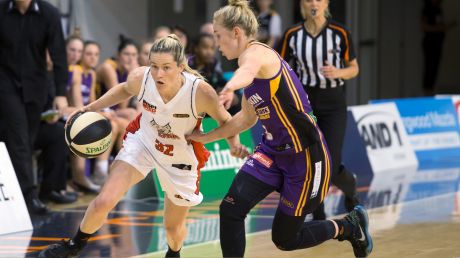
<point x="433" y="130"/>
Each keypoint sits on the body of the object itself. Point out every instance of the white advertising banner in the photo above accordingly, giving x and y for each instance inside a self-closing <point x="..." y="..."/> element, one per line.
<point x="14" y="216"/>
<point x="382" y="130"/>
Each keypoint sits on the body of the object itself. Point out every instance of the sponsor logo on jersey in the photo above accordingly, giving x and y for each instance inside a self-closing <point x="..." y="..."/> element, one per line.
<point x="181" y="115"/>
<point x="263" y="113"/>
<point x="164" y="131"/>
<point x="263" y="159"/>
<point x="149" y="107"/>
<point x="255" y="100"/>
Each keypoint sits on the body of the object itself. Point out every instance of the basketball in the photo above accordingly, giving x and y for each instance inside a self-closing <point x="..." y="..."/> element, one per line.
<point x="88" y="134"/>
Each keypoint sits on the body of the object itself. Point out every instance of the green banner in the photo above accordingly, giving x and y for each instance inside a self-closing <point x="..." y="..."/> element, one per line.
<point x="221" y="167"/>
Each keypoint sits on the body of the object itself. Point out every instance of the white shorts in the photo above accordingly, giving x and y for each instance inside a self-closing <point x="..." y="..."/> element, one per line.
<point x="179" y="187"/>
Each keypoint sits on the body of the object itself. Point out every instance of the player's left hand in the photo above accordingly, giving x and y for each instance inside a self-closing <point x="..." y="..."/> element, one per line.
<point x="329" y="71"/>
<point x="239" y="151"/>
<point x="226" y="97"/>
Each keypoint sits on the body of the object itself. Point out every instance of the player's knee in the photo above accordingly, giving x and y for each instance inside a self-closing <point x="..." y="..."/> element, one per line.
<point x="230" y="210"/>
<point x="283" y="243"/>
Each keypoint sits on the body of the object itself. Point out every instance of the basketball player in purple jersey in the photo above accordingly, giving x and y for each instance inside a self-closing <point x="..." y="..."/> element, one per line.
<point x="292" y="158"/>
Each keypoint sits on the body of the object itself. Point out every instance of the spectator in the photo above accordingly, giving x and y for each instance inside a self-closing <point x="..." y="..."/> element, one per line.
<point x="88" y="62"/>
<point x="144" y="53"/>
<point x="205" y="62"/>
<point x="182" y="34"/>
<point x="74" y="49"/>
<point x="23" y="83"/>
<point x="207" y="28"/>
<point x="269" y="23"/>
<point x="115" y="70"/>
<point x="161" y="32"/>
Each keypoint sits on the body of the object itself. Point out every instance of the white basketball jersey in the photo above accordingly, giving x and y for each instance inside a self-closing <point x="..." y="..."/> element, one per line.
<point x="164" y="125"/>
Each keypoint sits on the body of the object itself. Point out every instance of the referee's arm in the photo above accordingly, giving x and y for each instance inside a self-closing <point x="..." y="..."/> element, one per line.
<point x="351" y="68"/>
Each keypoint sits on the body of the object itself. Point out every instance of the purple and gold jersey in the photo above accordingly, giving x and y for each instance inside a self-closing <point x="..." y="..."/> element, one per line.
<point x="283" y="109"/>
<point x="88" y="81"/>
<point x="293" y="155"/>
<point x="121" y="77"/>
<point x="71" y="70"/>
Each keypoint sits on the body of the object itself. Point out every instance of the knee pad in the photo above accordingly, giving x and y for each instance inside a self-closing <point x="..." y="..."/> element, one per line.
<point x="230" y="209"/>
<point x="283" y="243"/>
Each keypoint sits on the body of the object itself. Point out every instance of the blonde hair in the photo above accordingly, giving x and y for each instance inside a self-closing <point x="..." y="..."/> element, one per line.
<point x="327" y="13"/>
<point x="171" y="44"/>
<point x="238" y="13"/>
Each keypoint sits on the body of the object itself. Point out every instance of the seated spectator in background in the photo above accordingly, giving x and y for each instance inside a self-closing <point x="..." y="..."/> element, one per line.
<point x="144" y="53"/>
<point x="160" y="32"/>
<point x="205" y="62"/>
<point x="74" y="49"/>
<point x="114" y="71"/>
<point x="270" y="30"/>
<point x="207" y="28"/>
<point x="75" y="95"/>
<point x="182" y="34"/>
<point x="82" y="167"/>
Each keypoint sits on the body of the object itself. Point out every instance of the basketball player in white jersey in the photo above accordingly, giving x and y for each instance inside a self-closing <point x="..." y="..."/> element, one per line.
<point x="174" y="98"/>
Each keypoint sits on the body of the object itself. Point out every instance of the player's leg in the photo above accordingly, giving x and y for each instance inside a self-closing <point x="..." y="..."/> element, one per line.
<point x="130" y="166"/>
<point x="175" y="225"/>
<point x="292" y="233"/>
<point x="121" y="178"/>
<point x="289" y="231"/>
<point x="244" y="193"/>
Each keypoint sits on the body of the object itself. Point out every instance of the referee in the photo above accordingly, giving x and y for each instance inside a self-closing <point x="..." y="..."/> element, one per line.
<point x="323" y="57"/>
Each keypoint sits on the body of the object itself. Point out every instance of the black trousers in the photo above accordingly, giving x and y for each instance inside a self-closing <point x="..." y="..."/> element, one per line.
<point x="330" y="108"/>
<point x="432" y="52"/>
<point x="20" y="122"/>
<point x="288" y="232"/>
<point x="53" y="158"/>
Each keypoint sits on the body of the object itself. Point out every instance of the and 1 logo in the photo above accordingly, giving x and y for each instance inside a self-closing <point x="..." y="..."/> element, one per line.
<point x="379" y="133"/>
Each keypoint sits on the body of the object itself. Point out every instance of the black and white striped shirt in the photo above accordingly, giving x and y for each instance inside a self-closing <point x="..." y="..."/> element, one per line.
<point x="333" y="44"/>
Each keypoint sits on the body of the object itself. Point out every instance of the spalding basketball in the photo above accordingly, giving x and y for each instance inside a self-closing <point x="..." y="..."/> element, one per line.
<point x="88" y="134"/>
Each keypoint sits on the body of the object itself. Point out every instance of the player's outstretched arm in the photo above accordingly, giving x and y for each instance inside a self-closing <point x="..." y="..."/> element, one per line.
<point x="249" y="65"/>
<point x="243" y="120"/>
<point x="120" y="92"/>
<point x="116" y="94"/>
